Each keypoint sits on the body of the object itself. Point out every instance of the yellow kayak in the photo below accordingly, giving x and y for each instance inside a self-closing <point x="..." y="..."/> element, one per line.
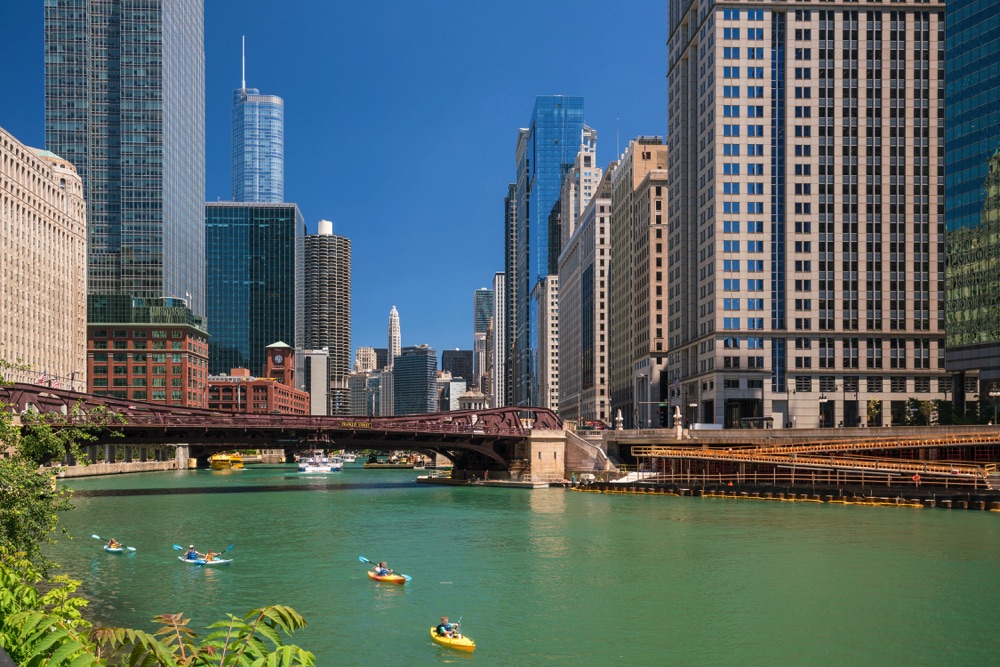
<point x="459" y="643"/>
<point x="390" y="578"/>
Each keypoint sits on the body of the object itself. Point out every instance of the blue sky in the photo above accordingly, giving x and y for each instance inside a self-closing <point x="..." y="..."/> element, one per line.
<point x="401" y="120"/>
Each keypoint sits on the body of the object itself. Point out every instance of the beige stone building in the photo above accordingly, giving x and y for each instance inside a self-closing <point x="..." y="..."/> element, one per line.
<point x="583" y="308"/>
<point x="43" y="266"/>
<point x="636" y="312"/>
<point x="806" y="222"/>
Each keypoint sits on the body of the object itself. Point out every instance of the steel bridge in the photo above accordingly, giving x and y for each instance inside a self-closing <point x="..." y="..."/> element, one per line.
<point x="485" y="438"/>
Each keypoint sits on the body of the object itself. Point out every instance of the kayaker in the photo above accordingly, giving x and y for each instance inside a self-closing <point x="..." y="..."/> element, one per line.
<point x="445" y="629"/>
<point x="191" y="554"/>
<point x="210" y="556"/>
<point x="114" y="544"/>
<point x="381" y="570"/>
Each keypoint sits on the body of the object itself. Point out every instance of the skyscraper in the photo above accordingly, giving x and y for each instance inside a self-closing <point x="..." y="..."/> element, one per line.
<point x="415" y="381"/>
<point x="394" y="337"/>
<point x="258" y="145"/>
<point x="545" y="152"/>
<point x="457" y="362"/>
<point x="482" y="309"/>
<point x="256" y="284"/>
<point x="327" y="277"/>
<point x="482" y="316"/>
<point x="496" y="345"/>
<point x="125" y="104"/>
<point x="806" y="265"/>
<point x="972" y="195"/>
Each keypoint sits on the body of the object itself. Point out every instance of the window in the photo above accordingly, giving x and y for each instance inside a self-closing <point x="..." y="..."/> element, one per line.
<point x="730" y="265"/>
<point x="731" y="53"/>
<point x="731" y="169"/>
<point x="755" y="111"/>
<point x="730" y="72"/>
<point x="731" y="226"/>
<point x="730" y="33"/>
<point x="730" y="245"/>
<point x="732" y="92"/>
<point x="730" y="130"/>
<point x="729" y="188"/>
<point x="731" y="111"/>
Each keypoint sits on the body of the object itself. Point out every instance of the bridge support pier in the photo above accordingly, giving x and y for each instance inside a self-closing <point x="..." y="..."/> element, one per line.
<point x="181" y="456"/>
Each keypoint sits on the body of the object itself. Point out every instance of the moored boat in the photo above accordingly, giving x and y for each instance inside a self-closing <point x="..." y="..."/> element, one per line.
<point x="226" y="461"/>
<point x="321" y="464"/>
<point x="457" y="642"/>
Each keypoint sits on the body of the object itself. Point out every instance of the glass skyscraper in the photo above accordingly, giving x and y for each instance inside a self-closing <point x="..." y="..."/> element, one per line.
<point x="415" y="381"/>
<point x="255" y="259"/>
<point x="482" y="309"/>
<point x="545" y="152"/>
<point x="972" y="190"/>
<point x="258" y="146"/>
<point x="125" y="104"/>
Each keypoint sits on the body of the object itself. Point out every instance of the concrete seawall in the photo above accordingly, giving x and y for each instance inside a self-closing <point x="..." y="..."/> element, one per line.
<point x="95" y="469"/>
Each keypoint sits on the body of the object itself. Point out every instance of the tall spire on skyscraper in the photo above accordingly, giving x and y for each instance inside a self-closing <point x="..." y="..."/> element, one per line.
<point x="258" y="143"/>
<point x="394" y="336"/>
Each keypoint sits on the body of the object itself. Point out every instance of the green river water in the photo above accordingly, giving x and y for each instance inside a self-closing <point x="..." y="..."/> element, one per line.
<point x="544" y="577"/>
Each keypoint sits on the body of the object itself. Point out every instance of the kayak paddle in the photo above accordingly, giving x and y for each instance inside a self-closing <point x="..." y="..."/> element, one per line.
<point x="404" y="576"/>
<point x="180" y="548"/>
<point x="98" y="537"/>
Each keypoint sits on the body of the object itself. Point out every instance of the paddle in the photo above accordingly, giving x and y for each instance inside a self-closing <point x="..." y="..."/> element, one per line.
<point x="98" y="537"/>
<point x="180" y="548"/>
<point x="404" y="576"/>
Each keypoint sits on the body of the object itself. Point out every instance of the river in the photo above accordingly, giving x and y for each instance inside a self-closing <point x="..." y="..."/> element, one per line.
<point x="543" y="577"/>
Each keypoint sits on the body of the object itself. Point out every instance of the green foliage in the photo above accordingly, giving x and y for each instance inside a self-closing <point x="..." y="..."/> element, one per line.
<point x="252" y="641"/>
<point x="41" y="628"/>
<point x="29" y="502"/>
<point x="47" y="629"/>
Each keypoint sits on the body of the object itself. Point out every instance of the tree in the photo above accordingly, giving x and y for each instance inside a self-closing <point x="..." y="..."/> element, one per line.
<point x="29" y="496"/>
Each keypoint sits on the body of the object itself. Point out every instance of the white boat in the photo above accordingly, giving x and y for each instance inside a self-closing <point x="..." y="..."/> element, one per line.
<point x="321" y="464"/>
<point x="347" y="457"/>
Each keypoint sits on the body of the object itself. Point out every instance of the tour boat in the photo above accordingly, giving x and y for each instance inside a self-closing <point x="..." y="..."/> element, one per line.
<point x="226" y="461"/>
<point x="320" y="463"/>
<point x="348" y="457"/>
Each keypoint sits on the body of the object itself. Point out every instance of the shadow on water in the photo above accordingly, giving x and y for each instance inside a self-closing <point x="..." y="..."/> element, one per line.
<point x="233" y="489"/>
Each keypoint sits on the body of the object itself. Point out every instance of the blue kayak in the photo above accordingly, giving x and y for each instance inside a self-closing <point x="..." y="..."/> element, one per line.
<point x="202" y="561"/>
<point x="114" y="550"/>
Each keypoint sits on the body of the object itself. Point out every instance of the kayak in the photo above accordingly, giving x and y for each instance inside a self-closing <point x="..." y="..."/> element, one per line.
<point x="388" y="578"/>
<point x="114" y="550"/>
<point x="202" y="561"/>
<point x="459" y="643"/>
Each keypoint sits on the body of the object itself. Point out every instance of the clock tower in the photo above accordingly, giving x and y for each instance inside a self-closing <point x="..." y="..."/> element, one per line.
<point x="281" y="364"/>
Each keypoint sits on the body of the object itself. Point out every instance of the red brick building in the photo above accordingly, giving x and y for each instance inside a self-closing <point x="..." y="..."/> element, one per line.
<point x="152" y="350"/>
<point x="274" y="394"/>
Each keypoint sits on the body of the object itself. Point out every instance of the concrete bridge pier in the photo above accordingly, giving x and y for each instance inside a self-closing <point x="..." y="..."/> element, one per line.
<point x="181" y="456"/>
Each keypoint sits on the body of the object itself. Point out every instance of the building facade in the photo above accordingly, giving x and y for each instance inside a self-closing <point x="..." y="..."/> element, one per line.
<point x="327" y="277"/>
<point x="125" y="104"/>
<point x="457" y="362"/>
<point x="972" y="197"/>
<point x="151" y="350"/>
<point x="414" y="379"/>
<point x="583" y="311"/>
<point x="315" y="380"/>
<point x="258" y="145"/>
<point x="636" y="283"/>
<point x="545" y="151"/>
<point x="256" y="282"/>
<point x="496" y="344"/>
<point x="43" y="267"/>
<point x="579" y="185"/>
<point x="546" y="298"/>
<point x="806" y="211"/>
<point x="365" y="360"/>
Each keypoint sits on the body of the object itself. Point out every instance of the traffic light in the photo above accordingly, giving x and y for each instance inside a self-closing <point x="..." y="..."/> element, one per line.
<point x="664" y="415"/>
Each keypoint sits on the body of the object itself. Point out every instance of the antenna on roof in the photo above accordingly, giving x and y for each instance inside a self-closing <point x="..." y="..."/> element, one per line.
<point x="244" y="85"/>
<point x="618" y="143"/>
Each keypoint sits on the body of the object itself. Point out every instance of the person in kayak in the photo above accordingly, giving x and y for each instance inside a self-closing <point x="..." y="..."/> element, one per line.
<point x="114" y="544"/>
<point x="381" y="570"/>
<point x="210" y="556"/>
<point x="446" y="629"/>
<point x="191" y="554"/>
